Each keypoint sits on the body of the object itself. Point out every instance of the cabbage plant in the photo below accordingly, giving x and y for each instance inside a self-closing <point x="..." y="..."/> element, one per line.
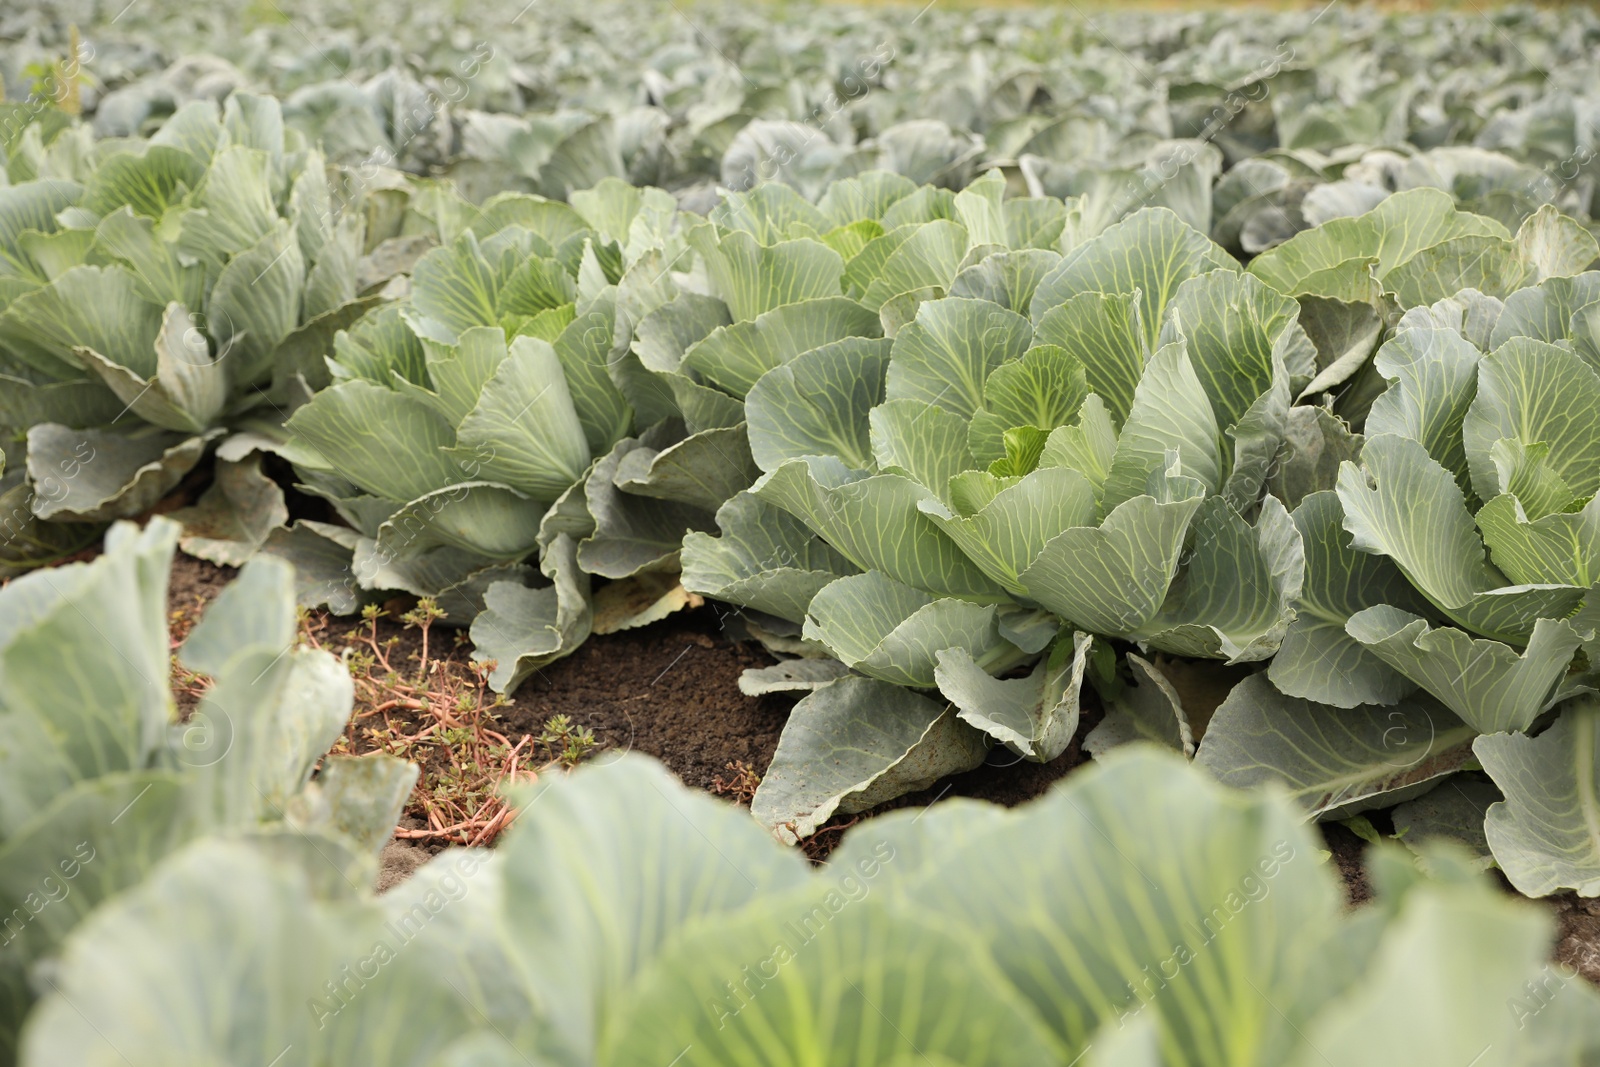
<point x="103" y="777"/>
<point x="1050" y="448"/>
<point x="497" y="412"/>
<point x="1139" y="913"/>
<point x="1450" y="579"/>
<point x="155" y="293"/>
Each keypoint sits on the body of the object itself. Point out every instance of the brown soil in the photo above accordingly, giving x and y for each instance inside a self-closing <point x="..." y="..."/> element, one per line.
<point x="400" y="860"/>
<point x="1578" y="934"/>
<point x="670" y="691"/>
<point x="195" y="583"/>
<point x="1349" y="853"/>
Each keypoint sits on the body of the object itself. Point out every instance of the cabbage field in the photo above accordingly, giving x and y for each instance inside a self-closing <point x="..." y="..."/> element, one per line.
<point x="1182" y="426"/>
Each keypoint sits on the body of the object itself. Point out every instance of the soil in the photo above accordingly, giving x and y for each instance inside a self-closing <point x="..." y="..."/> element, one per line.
<point x="670" y="690"/>
<point x="1349" y="856"/>
<point x="1578" y="934"/>
<point x="399" y="860"/>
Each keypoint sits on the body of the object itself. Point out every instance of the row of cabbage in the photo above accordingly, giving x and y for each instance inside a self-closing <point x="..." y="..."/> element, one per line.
<point x="190" y="893"/>
<point x="1121" y="108"/>
<point x="955" y="445"/>
<point x="923" y="439"/>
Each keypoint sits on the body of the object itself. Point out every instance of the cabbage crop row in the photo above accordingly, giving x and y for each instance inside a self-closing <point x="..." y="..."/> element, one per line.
<point x="182" y="894"/>
<point x="1222" y="377"/>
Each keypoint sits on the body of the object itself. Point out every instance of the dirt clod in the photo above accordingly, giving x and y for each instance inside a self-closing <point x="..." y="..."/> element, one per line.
<point x="1578" y="934"/>
<point x="396" y="863"/>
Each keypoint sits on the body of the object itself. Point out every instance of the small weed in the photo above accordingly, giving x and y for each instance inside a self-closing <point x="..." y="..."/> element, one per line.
<point x="187" y="686"/>
<point x="444" y="718"/>
<point x="741" y="786"/>
<point x="423" y="617"/>
<point x="565" y="743"/>
<point x="433" y="708"/>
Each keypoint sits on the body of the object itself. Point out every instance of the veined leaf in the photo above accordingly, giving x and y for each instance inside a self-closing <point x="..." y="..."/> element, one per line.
<point x="1487" y="683"/>
<point x="524" y="431"/>
<point x="817" y="404"/>
<point x="1534" y="393"/>
<point x="1106" y="332"/>
<point x="735" y="356"/>
<point x="924" y="442"/>
<point x="1347" y="258"/>
<point x="1045" y="388"/>
<point x="1152" y="252"/>
<point x="872" y="986"/>
<point x="408" y="461"/>
<point x="1236" y="599"/>
<point x="895" y="633"/>
<point x="1148" y="711"/>
<point x="1112" y="579"/>
<point x="1037" y="716"/>
<point x="1317" y="659"/>
<point x="1559" y="547"/>
<point x="752" y="279"/>
<point x="945" y="357"/>
<point x="854" y="743"/>
<point x="1413" y="512"/>
<point x="874" y="521"/>
<point x="1432" y="378"/>
<point x="1170" y="416"/>
<point x="1335" y="762"/>
<point x="1546" y="833"/>
<point x="1003" y="524"/>
<point x="765" y="559"/>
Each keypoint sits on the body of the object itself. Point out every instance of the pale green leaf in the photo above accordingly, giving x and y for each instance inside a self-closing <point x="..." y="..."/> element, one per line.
<point x="1334" y="762"/>
<point x="1531" y="392"/>
<point x="1036" y="716"/>
<point x="735" y="356"/>
<point x="817" y="404"/>
<point x="671" y="857"/>
<point x="765" y="559"/>
<point x="1488" y="684"/>
<point x="1553" y="245"/>
<point x="895" y="633"/>
<point x="1236" y="598"/>
<point x="944" y="358"/>
<point x="388" y="443"/>
<point x="1317" y="659"/>
<point x="1112" y="579"/>
<point x="1152" y="252"/>
<point x="1409" y="508"/>
<point x="853" y="744"/>
<point x="1106" y="332"/>
<point x="1005" y="526"/>
<point x="100" y="475"/>
<point x="874" y="521"/>
<point x="521" y="630"/>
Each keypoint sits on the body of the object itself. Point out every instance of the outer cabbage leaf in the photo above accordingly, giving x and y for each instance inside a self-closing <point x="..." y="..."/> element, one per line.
<point x="895" y="633"/>
<point x="1112" y="579"/>
<point x="1546" y="833"/>
<point x="874" y="521"/>
<point x="764" y="559"/>
<point x="1036" y="716"/>
<point x="1405" y="505"/>
<point x="1335" y="762"/>
<point x="854" y="743"/>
